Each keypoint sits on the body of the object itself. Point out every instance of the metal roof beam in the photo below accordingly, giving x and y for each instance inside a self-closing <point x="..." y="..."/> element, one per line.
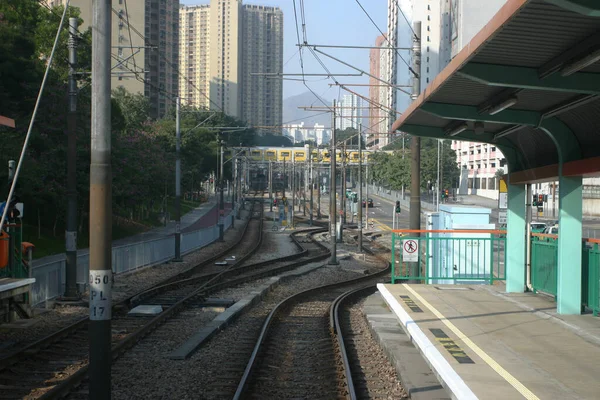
<point x="528" y="78"/>
<point x="583" y="47"/>
<point x="512" y="154"/>
<point x="470" y="113"/>
<point x="586" y="7"/>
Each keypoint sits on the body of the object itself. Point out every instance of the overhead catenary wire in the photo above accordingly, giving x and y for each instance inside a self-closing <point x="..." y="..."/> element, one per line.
<point x="32" y="121"/>
<point x="406" y="19"/>
<point x="383" y="34"/>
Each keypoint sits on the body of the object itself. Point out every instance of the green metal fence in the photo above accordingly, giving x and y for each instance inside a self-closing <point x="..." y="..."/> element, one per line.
<point x="544" y="259"/>
<point x="449" y="257"/>
<point x="544" y="267"/>
<point x="590" y="277"/>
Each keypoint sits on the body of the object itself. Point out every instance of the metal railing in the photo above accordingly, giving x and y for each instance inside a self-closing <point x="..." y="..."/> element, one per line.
<point x="50" y="276"/>
<point x="544" y="269"/>
<point x="449" y="256"/>
<point x="544" y="261"/>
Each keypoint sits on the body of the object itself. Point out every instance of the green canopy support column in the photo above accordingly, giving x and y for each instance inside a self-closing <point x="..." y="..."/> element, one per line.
<point x="515" y="239"/>
<point x="569" y="245"/>
<point x="569" y="266"/>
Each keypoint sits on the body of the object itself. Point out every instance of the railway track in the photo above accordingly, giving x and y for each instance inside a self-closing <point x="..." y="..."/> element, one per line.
<point x="41" y="368"/>
<point x="367" y="371"/>
<point x="55" y="367"/>
<point x="295" y="355"/>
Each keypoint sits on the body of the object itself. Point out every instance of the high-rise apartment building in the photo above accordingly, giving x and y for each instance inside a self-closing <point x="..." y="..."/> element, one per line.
<point x="379" y="119"/>
<point x="225" y="56"/>
<point x="349" y="112"/>
<point x="145" y="38"/>
<point x="194" y="82"/>
<point x="262" y="51"/>
<point x="446" y="27"/>
<point x="223" y="45"/>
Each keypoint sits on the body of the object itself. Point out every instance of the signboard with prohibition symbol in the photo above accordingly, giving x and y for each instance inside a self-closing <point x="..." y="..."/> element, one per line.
<point x="410" y="250"/>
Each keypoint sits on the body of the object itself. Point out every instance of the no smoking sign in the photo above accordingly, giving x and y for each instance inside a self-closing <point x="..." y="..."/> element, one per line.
<point x="410" y="250"/>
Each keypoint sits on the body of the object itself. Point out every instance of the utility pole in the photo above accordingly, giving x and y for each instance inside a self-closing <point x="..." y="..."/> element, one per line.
<point x="366" y="197"/>
<point x="284" y="178"/>
<point x="342" y="195"/>
<point x="100" y="276"/>
<point x="177" y="182"/>
<point x="319" y="181"/>
<point x="332" y="210"/>
<point x="311" y="186"/>
<point x="360" y="192"/>
<point x="439" y="183"/>
<point x="293" y="188"/>
<point x="304" y="175"/>
<point x="415" y="189"/>
<point x="271" y="184"/>
<point x="71" y="231"/>
<point x="232" y="189"/>
<point x="221" y="200"/>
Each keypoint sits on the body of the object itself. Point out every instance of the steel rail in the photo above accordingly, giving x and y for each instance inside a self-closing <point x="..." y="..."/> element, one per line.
<point x="252" y="363"/>
<point x="119" y="348"/>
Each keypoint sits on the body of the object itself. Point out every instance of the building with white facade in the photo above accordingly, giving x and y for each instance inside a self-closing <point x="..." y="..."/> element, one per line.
<point x="446" y="27"/>
<point x="349" y="112"/>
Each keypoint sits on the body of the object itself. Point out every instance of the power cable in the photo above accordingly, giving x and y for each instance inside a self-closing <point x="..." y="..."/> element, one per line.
<point x="390" y="44"/>
<point x="406" y="19"/>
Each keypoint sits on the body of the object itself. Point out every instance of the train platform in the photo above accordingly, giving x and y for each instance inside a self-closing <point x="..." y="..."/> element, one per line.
<point x="487" y="344"/>
<point x="12" y="297"/>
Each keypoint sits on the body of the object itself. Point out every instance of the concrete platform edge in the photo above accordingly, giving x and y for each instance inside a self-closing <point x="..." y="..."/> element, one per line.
<point x="448" y="377"/>
<point x="415" y="375"/>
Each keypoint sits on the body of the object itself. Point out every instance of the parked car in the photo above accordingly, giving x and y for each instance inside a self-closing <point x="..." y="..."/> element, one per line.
<point x="538" y="227"/>
<point x="364" y="204"/>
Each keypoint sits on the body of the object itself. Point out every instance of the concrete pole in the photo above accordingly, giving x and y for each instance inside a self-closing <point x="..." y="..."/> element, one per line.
<point x="232" y="192"/>
<point x="332" y="205"/>
<point x="221" y="200"/>
<point x="71" y="231"/>
<point x="528" y="217"/>
<point x="439" y="183"/>
<point x="177" y="182"/>
<point x="100" y="206"/>
<point x="367" y="198"/>
<point x="319" y="181"/>
<point x="239" y="189"/>
<point x="284" y="179"/>
<point x="311" y="186"/>
<point x="293" y="187"/>
<point x="360" y="190"/>
<point x="415" y="189"/>
<point x="305" y="180"/>
<point x="271" y="185"/>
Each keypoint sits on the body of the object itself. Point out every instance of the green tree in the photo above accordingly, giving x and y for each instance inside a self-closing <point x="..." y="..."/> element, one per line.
<point x="348" y="135"/>
<point x="393" y="171"/>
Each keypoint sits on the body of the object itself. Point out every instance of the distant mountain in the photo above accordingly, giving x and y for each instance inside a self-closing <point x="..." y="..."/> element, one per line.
<point x="291" y="112"/>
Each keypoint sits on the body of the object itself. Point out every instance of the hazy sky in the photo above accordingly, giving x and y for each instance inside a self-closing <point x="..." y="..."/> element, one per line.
<point x="337" y="22"/>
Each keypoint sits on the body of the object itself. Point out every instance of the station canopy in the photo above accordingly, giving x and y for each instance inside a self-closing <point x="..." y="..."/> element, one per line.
<point x="529" y="83"/>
